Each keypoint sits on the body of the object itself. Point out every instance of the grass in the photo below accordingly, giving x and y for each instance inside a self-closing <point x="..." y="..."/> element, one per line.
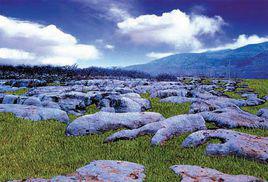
<point x="41" y="149"/>
<point x="18" y="92"/>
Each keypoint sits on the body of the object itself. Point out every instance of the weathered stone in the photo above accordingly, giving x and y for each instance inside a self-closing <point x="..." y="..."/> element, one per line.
<point x="50" y="104"/>
<point x="234" y="143"/>
<point x="263" y="113"/>
<point x="233" y="117"/>
<point x="191" y="173"/>
<point x="35" y="113"/>
<point x="104" y="121"/>
<point x="163" y="130"/>
<point x="33" y="101"/>
<point x="178" y="100"/>
<point x="215" y="103"/>
<point x="170" y="92"/>
<point x="10" y="99"/>
<point x="100" y="170"/>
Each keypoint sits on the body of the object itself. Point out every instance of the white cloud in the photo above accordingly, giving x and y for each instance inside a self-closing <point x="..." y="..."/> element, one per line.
<point x="15" y="54"/>
<point x="241" y="41"/>
<point x="109" y="46"/>
<point x="158" y="55"/>
<point x="112" y="10"/>
<point x="174" y="28"/>
<point x="38" y="44"/>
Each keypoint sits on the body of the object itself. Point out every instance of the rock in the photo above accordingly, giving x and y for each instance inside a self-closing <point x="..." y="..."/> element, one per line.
<point x="178" y="100"/>
<point x="144" y="103"/>
<point x="50" y="104"/>
<point x="124" y="105"/>
<point x="233" y="117"/>
<point x="170" y="92"/>
<point x="263" y="113"/>
<point x="100" y="170"/>
<point x="253" y="100"/>
<point x="191" y="173"/>
<point x="215" y="103"/>
<point x="104" y="121"/>
<point x="10" y="99"/>
<point x="265" y="98"/>
<point x="163" y="130"/>
<point x="34" y="113"/>
<point x="33" y="101"/>
<point x="234" y="143"/>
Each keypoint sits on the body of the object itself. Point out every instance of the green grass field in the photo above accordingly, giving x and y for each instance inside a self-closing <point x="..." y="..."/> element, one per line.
<point x="41" y="149"/>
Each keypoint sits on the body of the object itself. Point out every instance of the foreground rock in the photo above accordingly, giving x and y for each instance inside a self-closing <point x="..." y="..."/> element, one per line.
<point x="163" y="130"/>
<point x="233" y="117"/>
<point x="101" y="170"/>
<point x="235" y="143"/>
<point x="34" y="113"/>
<point x="104" y="121"/>
<point x="196" y="173"/>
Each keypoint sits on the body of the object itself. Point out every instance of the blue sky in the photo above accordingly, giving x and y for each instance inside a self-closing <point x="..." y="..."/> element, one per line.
<point x="124" y="32"/>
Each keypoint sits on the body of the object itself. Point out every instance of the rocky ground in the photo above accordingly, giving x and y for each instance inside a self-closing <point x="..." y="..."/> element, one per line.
<point x="59" y="128"/>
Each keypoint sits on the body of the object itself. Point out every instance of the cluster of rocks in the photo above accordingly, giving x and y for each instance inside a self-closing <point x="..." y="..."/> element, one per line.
<point x="122" y="107"/>
<point x="121" y="171"/>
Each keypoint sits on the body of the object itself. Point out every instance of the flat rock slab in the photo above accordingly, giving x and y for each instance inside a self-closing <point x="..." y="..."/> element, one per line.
<point x="234" y="143"/>
<point x="232" y="117"/>
<point x="34" y="113"/>
<point x="102" y="171"/>
<point x="163" y="130"/>
<point x="191" y="173"/>
<point x="178" y="100"/>
<point x="105" y="121"/>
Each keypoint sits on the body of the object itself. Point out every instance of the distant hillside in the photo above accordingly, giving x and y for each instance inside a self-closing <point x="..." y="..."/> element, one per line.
<point x="250" y="61"/>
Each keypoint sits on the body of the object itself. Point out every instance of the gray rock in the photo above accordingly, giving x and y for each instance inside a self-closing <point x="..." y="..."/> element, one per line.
<point x="10" y="99"/>
<point x="263" y="113"/>
<point x="265" y="98"/>
<point x="178" y="100"/>
<point x="191" y="173"/>
<point x="234" y="143"/>
<point x="33" y="101"/>
<point x="50" y="104"/>
<point x="233" y="117"/>
<point x="34" y="113"/>
<point x="215" y="103"/>
<point x="170" y="92"/>
<point x="104" y="121"/>
<point x="163" y="130"/>
<point x="100" y="170"/>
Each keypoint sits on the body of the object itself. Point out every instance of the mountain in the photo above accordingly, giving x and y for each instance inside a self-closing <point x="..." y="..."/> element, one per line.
<point x="250" y="61"/>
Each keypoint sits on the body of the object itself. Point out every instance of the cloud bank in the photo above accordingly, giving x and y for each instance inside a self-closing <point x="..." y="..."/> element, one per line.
<point x="174" y="28"/>
<point x="24" y="42"/>
<point x="158" y="55"/>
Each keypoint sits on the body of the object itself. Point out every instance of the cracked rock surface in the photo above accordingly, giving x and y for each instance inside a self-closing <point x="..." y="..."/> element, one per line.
<point x="234" y="143"/>
<point x="232" y="117"/>
<point x="102" y="171"/>
<point x="191" y="173"/>
<point x="105" y="121"/>
<point x="35" y="113"/>
<point x="163" y="130"/>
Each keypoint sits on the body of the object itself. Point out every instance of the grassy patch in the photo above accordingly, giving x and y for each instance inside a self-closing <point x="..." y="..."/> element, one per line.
<point x="18" y="92"/>
<point x="233" y="95"/>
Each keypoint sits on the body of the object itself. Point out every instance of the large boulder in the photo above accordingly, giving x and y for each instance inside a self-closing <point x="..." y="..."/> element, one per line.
<point x="234" y="143"/>
<point x="178" y="100"/>
<point x="233" y="117"/>
<point x="100" y="170"/>
<point x="10" y="99"/>
<point x="163" y="130"/>
<point x="34" y="113"/>
<point x="104" y="121"/>
<point x="33" y="101"/>
<point x="191" y="173"/>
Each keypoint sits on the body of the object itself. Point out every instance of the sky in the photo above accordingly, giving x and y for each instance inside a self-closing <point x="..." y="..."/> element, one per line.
<point x="110" y="33"/>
